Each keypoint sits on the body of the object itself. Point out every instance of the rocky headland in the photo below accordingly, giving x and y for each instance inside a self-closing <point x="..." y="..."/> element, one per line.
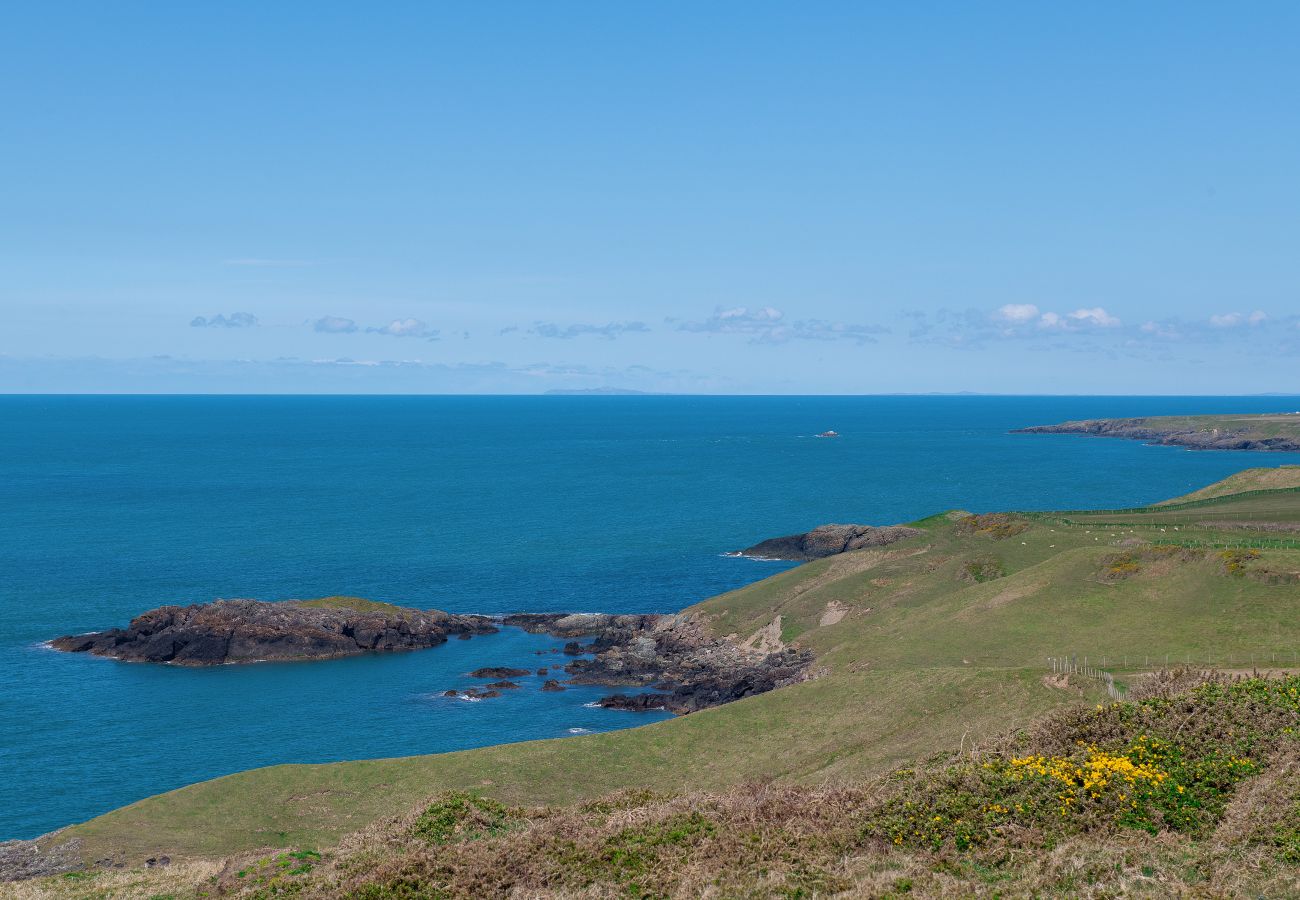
<point x="679" y="665"/>
<point x="827" y="540"/>
<point x="1272" y="432"/>
<point x="245" y="631"/>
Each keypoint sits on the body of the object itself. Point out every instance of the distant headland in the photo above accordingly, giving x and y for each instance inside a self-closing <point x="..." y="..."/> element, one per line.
<point x="1278" y="432"/>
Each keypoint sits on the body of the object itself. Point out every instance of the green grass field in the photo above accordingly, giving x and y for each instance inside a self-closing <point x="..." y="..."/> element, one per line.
<point x="1252" y="424"/>
<point x="936" y="642"/>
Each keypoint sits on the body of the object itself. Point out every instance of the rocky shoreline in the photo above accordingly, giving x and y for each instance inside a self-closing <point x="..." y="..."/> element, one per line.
<point x="827" y="540"/>
<point x="246" y="631"/>
<point x="674" y="659"/>
<point x="1153" y="431"/>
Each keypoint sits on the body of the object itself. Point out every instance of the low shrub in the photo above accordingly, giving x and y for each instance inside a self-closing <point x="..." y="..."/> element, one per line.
<point x="998" y="526"/>
<point x="460" y="816"/>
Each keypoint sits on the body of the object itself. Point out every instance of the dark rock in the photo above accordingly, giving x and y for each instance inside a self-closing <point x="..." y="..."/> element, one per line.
<point x="451" y="693"/>
<point x="552" y="685"/>
<point x="543" y="671"/>
<point x="487" y="695"/>
<point x="573" y="648"/>
<point x="635" y="702"/>
<point x="678" y="656"/>
<point x="39" y="858"/>
<point x="240" y="631"/>
<point x="828" y="540"/>
<point x="504" y="685"/>
<point x="497" y="672"/>
<point x="565" y="625"/>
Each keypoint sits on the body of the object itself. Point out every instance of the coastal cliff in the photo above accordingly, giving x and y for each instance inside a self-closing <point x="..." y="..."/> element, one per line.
<point x="243" y="631"/>
<point x="1278" y="432"/>
<point x="828" y="540"/>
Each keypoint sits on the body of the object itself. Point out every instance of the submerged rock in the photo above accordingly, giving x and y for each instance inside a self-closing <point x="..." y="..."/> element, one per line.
<point x="497" y="672"/>
<point x="243" y="631"/>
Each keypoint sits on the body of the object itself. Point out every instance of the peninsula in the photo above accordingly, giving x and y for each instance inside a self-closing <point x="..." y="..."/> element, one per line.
<point x="1279" y="432"/>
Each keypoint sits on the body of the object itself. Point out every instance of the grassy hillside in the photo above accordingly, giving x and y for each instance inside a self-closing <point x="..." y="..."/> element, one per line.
<point x="1191" y="790"/>
<point x="1263" y="478"/>
<point x="935" y="643"/>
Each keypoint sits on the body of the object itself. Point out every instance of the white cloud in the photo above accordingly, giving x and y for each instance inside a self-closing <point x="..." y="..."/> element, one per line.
<point x="1018" y="313"/>
<point x="736" y="320"/>
<point x="234" y="320"/>
<point x="609" y="330"/>
<point x="1015" y="318"/>
<point x="767" y="325"/>
<point x="1095" y="317"/>
<point x="406" y="328"/>
<point x="334" y="325"/>
<point x="1234" y="319"/>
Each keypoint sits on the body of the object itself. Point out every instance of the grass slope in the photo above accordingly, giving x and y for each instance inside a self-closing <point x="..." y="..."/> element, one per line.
<point x="1263" y="478"/>
<point x="936" y="642"/>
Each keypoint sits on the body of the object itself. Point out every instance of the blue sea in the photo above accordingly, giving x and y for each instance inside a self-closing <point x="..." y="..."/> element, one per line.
<point x="113" y="505"/>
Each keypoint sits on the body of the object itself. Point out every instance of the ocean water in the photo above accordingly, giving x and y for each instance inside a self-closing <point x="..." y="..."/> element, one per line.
<point x="113" y="505"/>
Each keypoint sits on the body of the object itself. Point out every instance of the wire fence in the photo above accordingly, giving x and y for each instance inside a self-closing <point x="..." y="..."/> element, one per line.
<point x="1099" y="668"/>
<point x="1070" y="665"/>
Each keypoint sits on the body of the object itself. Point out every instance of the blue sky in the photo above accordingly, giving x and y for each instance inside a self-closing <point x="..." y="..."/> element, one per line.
<point x="726" y="197"/>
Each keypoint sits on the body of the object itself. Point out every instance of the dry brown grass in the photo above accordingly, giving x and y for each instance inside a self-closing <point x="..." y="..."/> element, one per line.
<point x="184" y="879"/>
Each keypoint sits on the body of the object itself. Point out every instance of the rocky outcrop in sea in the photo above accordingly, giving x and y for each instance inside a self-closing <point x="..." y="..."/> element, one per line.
<point x="244" y="631"/>
<point x="828" y="540"/>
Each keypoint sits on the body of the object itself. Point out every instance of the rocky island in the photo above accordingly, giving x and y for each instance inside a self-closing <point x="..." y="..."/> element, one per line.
<point x="1279" y="432"/>
<point x="827" y="540"/>
<point x="245" y="631"/>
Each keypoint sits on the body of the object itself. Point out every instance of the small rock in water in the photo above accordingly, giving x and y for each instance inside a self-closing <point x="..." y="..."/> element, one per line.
<point x="552" y="685"/>
<point x="504" y="685"/>
<point x="542" y="671"/>
<point x="497" y="672"/>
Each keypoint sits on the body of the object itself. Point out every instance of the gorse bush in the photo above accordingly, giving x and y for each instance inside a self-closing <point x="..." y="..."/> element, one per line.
<point x="998" y="526"/>
<point x="1157" y="764"/>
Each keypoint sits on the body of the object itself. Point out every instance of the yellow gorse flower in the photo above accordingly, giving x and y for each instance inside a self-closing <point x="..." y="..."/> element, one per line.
<point x="1098" y="771"/>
